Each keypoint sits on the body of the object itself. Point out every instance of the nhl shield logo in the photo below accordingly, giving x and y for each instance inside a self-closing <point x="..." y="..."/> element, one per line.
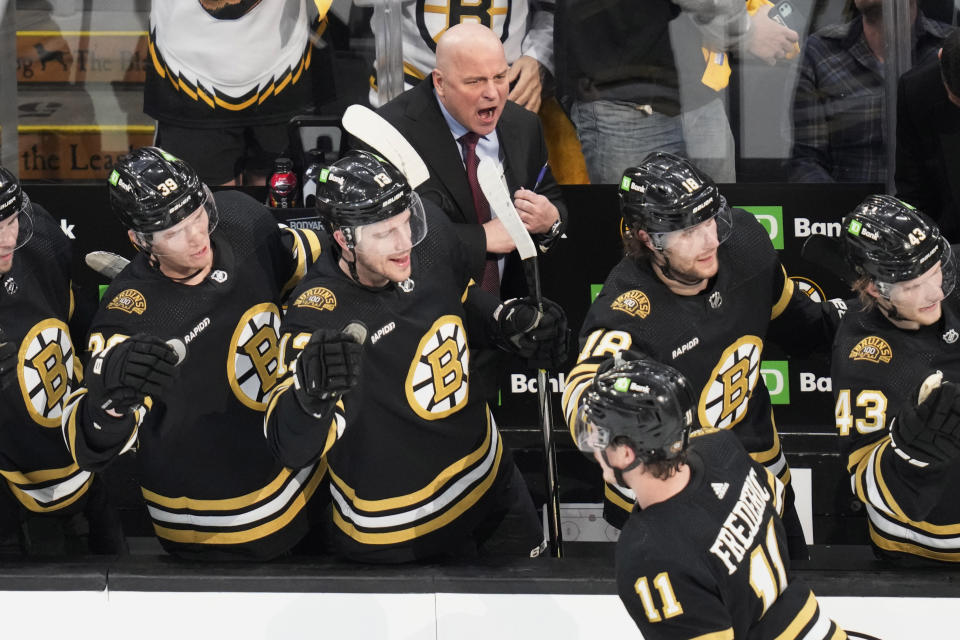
<point x="633" y="303"/>
<point x="219" y="275"/>
<point x="407" y="285"/>
<point x="951" y="336"/>
<point x="434" y="17"/>
<point x="129" y="301"/>
<point x="10" y="285"/>
<point x="872" y="349"/>
<point x="319" y="298"/>
<point x="715" y="300"/>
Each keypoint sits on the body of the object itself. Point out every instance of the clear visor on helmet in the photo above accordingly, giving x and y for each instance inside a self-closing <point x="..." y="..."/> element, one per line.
<point x="397" y="234"/>
<point x="926" y="289"/>
<point x="588" y="435"/>
<point x="17" y="229"/>
<point x="190" y="235"/>
<point x="712" y="231"/>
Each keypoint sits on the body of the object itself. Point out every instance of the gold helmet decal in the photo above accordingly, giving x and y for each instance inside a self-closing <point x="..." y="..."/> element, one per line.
<point x="319" y="298"/>
<point x="129" y="301"/>
<point x="872" y="349"/>
<point x="633" y="303"/>
<point x="436" y="384"/>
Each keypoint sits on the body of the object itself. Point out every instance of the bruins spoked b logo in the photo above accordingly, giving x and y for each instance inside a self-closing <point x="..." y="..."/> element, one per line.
<point x="253" y="363"/>
<point x="436" y="384"/>
<point x="723" y="401"/>
<point x="434" y="17"/>
<point x="45" y="372"/>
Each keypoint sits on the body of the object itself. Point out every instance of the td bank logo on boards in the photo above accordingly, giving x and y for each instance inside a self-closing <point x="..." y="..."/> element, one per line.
<point x="771" y="217"/>
<point x="776" y="377"/>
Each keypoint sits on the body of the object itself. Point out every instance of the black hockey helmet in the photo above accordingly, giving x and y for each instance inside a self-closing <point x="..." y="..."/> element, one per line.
<point x="361" y="189"/>
<point x="152" y="190"/>
<point x="890" y="241"/>
<point x="648" y="402"/>
<point x="668" y="193"/>
<point x="14" y="203"/>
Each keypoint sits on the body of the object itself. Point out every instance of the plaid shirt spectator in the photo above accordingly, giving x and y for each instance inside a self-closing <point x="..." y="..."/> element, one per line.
<point x="838" y="108"/>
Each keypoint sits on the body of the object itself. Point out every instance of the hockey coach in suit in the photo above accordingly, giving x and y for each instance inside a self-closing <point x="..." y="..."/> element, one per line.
<point x="454" y="119"/>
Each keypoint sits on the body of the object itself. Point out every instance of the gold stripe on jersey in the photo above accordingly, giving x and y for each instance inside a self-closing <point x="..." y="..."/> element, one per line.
<point x="856" y="456"/>
<point x="456" y="469"/>
<point x="802" y="619"/>
<point x="255" y="97"/>
<point x="726" y="634"/>
<point x="466" y="290"/>
<point x="581" y="377"/>
<point x="888" y="544"/>
<point x="777" y="489"/>
<point x="785" y="295"/>
<point x="615" y="497"/>
<point x="207" y="529"/>
<point x="307" y="249"/>
<point x="426" y="510"/>
<point x="48" y="489"/>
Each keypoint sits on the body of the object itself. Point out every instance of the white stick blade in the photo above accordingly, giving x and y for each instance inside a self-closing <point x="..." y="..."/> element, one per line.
<point x="491" y="183"/>
<point x="106" y="263"/>
<point x="374" y="131"/>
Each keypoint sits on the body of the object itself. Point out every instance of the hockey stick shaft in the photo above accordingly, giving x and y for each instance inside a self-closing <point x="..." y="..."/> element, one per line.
<point x="545" y="412"/>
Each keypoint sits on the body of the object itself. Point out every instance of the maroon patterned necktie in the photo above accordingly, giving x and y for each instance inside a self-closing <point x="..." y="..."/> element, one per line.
<point x="491" y="270"/>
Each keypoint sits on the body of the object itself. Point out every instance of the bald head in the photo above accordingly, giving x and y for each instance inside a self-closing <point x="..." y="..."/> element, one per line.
<point x="466" y="39"/>
<point x="471" y="76"/>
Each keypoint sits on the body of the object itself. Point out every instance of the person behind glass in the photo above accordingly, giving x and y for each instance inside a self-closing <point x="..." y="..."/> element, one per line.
<point x="700" y="286"/>
<point x="38" y="368"/>
<point x="928" y="124"/>
<point x="525" y="28"/>
<point x="838" y="105"/>
<point x="225" y="77"/>
<point x="617" y="74"/>
<point x="896" y="381"/>
<point x="418" y="468"/>
<point x="704" y="552"/>
<point x="184" y="351"/>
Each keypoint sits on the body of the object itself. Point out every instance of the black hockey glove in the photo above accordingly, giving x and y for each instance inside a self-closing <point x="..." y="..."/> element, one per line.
<point x="120" y="377"/>
<point x="328" y="367"/>
<point x="928" y="433"/>
<point x="8" y="361"/>
<point x="539" y="338"/>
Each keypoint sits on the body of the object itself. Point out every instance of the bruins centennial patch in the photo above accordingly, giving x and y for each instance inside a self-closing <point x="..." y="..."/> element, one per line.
<point x="872" y="349"/>
<point x="129" y="301"/>
<point x="319" y="298"/>
<point x="633" y="303"/>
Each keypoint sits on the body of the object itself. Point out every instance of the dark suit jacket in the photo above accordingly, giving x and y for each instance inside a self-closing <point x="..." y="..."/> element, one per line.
<point x="416" y="114"/>
<point x="928" y="147"/>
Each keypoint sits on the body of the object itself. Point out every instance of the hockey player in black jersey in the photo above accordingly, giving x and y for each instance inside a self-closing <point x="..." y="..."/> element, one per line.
<point x="38" y="368"/>
<point x="701" y="288"/>
<point x="896" y="381"/>
<point x="704" y="553"/>
<point x="184" y="350"/>
<point x="417" y="466"/>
